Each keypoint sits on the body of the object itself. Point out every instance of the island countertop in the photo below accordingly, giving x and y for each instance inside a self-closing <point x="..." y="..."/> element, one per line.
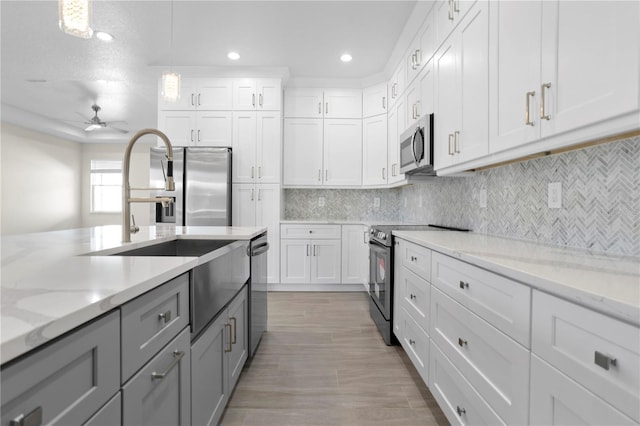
<point x="606" y="283"/>
<point x="53" y="282"/>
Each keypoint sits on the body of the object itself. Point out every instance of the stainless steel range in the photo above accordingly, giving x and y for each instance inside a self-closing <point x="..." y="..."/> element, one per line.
<point x="381" y="273"/>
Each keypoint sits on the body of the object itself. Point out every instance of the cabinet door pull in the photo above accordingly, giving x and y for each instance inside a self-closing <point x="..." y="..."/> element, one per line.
<point x="199" y="99"/>
<point x="451" y="10"/>
<point x="177" y="356"/>
<point x="384" y="102"/>
<point x="260" y="100"/>
<point x="165" y="316"/>
<point x="383" y="174"/>
<point x="450" y="144"/>
<point x="460" y="411"/>
<point x="229" y="348"/>
<point x="418" y="58"/>
<point x="412" y="296"/>
<point x="259" y="172"/>
<point x="319" y="108"/>
<point x="259" y="194"/>
<point x="252" y="171"/>
<point x="527" y="119"/>
<point x="235" y="329"/>
<point x="604" y="361"/>
<point x="198" y="135"/>
<point x="412" y="342"/>
<point x="326" y="108"/>
<point x="252" y="194"/>
<point x="191" y="135"/>
<point x="417" y="109"/>
<point x="192" y="103"/>
<point x="462" y="342"/>
<point x="319" y="175"/>
<point x="464" y="285"/>
<point x="543" y="114"/>
<point x="34" y="418"/>
<point x="456" y="6"/>
<point x="456" y="147"/>
<point x="314" y="250"/>
<point x="253" y="99"/>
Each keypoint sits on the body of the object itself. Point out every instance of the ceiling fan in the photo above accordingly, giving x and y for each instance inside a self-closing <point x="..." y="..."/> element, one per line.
<point x="95" y="122"/>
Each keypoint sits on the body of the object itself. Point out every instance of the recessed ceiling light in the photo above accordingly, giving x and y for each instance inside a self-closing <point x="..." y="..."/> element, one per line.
<point x="234" y="56"/>
<point x="346" y="58"/>
<point x="101" y="35"/>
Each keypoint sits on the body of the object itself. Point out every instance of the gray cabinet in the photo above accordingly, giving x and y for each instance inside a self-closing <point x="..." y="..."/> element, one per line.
<point x="151" y="321"/>
<point x="109" y="415"/>
<point x="160" y="393"/>
<point x="67" y="381"/>
<point x="217" y="358"/>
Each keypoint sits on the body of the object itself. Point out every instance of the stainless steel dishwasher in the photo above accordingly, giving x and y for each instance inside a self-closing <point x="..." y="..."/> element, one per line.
<point x="258" y="289"/>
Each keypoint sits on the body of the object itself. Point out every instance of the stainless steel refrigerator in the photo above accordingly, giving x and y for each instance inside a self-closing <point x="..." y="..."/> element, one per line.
<point x="203" y="186"/>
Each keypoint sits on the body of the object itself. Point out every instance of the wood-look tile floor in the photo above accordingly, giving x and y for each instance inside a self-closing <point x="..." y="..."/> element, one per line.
<point x="323" y="362"/>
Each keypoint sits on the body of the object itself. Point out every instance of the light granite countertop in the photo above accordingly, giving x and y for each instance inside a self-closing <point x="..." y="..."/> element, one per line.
<point x="606" y="283"/>
<point x="53" y="282"/>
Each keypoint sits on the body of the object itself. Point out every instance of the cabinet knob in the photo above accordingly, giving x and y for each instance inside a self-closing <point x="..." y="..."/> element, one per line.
<point x="462" y="342"/>
<point x="460" y="411"/>
<point x="412" y="342"/>
<point x="464" y="285"/>
<point x="165" y="316"/>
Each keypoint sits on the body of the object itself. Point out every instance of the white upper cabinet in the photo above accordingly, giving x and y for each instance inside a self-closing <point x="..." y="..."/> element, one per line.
<point x="397" y="84"/>
<point x="374" y="100"/>
<point x="262" y="94"/>
<point x="448" y="14"/>
<point x="590" y="55"/>
<point x="256" y="147"/>
<point x="461" y="72"/>
<point x="393" y="150"/>
<point x="342" y="152"/>
<point x="303" y="103"/>
<point x="214" y="128"/>
<point x="212" y="94"/>
<point x="342" y="103"/>
<point x="323" y="103"/>
<point x="302" y="151"/>
<point x="374" y="150"/>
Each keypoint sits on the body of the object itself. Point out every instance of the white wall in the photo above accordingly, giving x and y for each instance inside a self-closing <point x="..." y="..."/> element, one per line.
<point x="139" y="177"/>
<point x="40" y="181"/>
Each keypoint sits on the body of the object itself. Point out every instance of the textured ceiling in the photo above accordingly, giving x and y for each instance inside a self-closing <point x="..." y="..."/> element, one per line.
<point x="50" y="79"/>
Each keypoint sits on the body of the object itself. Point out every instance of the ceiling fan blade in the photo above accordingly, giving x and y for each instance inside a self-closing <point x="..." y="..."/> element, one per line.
<point x="117" y="129"/>
<point x="92" y="127"/>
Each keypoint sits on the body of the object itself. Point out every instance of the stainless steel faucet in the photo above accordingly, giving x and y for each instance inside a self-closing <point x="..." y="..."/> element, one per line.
<point x="127" y="229"/>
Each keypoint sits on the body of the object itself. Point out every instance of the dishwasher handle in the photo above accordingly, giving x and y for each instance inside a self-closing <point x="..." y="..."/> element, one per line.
<point x="259" y="249"/>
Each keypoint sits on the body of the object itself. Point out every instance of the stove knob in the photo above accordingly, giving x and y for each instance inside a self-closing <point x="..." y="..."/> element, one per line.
<point x="384" y="236"/>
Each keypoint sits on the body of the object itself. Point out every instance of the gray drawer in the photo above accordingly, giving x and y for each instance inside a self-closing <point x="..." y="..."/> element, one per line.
<point x="109" y="415"/>
<point x="151" y="321"/>
<point x="68" y="381"/>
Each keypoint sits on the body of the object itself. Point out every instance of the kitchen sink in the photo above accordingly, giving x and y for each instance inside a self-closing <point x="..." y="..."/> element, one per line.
<point x="179" y="247"/>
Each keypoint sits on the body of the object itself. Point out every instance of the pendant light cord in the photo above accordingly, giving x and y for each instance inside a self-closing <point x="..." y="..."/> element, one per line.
<point x="171" y="42"/>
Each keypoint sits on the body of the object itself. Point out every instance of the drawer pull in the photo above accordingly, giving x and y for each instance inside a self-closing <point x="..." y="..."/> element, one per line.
<point x="462" y="342"/>
<point x="464" y="285"/>
<point x="229" y="348"/>
<point x="412" y="296"/>
<point x="412" y="342"/>
<point x="235" y="328"/>
<point x="177" y="356"/>
<point x="34" y="418"/>
<point x="414" y="259"/>
<point x="165" y="316"/>
<point x="604" y="361"/>
<point x="460" y="411"/>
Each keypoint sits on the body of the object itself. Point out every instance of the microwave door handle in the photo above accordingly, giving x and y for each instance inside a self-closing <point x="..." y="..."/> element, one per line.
<point x="413" y="148"/>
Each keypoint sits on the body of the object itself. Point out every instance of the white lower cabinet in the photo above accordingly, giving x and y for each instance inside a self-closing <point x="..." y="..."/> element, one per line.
<point x="355" y="255"/>
<point x="310" y="254"/>
<point x="160" y="393"/>
<point x="217" y="357"/>
<point x="494" y="364"/>
<point x="556" y="399"/>
<point x="415" y="341"/>
<point x="459" y="401"/>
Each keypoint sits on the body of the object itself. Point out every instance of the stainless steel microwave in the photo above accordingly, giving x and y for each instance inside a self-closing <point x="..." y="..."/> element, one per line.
<point x="416" y="148"/>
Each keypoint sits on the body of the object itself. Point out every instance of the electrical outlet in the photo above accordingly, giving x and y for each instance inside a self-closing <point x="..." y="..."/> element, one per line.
<point x="482" y="198"/>
<point x="554" y="199"/>
<point x="320" y="201"/>
<point x="376" y="203"/>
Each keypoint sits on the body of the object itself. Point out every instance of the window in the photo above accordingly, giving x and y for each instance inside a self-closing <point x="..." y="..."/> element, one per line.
<point x="106" y="186"/>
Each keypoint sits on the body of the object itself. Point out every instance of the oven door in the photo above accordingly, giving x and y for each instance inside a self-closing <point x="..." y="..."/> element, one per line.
<point x="380" y="277"/>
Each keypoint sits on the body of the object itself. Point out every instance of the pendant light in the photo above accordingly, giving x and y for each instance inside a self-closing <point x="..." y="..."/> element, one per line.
<point x="75" y="17"/>
<point x="170" y="80"/>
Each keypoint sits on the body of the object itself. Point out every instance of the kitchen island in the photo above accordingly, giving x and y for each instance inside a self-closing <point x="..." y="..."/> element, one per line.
<point x="53" y="282"/>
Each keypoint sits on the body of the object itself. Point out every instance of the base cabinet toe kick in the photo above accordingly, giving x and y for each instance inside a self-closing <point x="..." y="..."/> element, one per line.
<point x="497" y="351"/>
<point x="140" y="363"/>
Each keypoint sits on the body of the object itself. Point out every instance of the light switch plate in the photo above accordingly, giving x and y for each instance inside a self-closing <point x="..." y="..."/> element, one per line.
<point x="554" y="197"/>
<point x="320" y="201"/>
<point x="482" y="198"/>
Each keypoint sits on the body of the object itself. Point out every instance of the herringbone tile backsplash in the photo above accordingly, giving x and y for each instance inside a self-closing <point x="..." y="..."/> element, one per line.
<point x="600" y="200"/>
